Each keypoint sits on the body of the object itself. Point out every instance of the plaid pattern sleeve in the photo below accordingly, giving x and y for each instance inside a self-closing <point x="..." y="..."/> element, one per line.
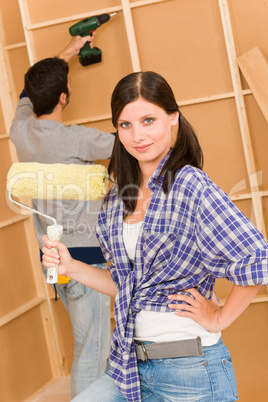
<point x="229" y="244"/>
<point x="189" y="237"/>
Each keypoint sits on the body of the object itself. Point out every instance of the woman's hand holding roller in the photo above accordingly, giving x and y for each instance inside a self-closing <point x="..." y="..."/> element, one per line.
<point x="50" y="258"/>
<point x="91" y="276"/>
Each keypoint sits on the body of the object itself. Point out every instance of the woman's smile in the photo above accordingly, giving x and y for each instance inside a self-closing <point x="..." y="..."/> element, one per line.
<point x="143" y="148"/>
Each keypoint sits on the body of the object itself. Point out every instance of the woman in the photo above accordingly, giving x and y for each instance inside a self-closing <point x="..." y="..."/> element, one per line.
<point x="168" y="232"/>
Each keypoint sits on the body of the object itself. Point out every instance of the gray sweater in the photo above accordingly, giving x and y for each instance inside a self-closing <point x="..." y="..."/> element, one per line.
<point x="48" y="141"/>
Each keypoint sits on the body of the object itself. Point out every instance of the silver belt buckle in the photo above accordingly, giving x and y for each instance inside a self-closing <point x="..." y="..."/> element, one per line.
<point x="145" y="359"/>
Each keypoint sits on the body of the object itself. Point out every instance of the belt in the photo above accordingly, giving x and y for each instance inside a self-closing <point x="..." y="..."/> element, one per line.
<point x="168" y="350"/>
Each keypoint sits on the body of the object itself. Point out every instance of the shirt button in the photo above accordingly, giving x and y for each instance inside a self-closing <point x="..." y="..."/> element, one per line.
<point x="205" y="364"/>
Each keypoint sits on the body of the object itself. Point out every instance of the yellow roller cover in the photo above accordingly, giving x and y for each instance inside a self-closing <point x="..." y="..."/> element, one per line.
<point x="57" y="181"/>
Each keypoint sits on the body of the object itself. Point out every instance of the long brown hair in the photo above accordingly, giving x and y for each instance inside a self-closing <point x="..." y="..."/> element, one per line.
<point x="125" y="169"/>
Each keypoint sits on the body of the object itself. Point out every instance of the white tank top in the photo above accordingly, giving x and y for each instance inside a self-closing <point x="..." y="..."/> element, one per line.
<point x="157" y="326"/>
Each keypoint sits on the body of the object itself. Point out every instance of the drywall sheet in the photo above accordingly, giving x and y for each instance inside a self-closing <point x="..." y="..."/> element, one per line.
<point x="247" y="342"/>
<point x="19" y="286"/>
<point x="25" y="366"/>
<point x="40" y="11"/>
<point x="184" y="41"/>
<point x="186" y="45"/>
<point x="5" y="211"/>
<point x="18" y="56"/>
<point x="2" y="125"/>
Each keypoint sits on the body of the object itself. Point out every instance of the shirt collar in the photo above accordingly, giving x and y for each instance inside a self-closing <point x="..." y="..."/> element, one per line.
<point x="155" y="177"/>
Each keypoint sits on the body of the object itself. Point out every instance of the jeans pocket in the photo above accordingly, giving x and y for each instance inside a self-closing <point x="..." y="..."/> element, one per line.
<point x="229" y="371"/>
<point x="75" y="290"/>
<point x="189" y="362"/>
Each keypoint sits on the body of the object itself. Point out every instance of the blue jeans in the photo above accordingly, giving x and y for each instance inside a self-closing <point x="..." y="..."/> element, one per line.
<point x="89" y="313"/>
<point x="199" y="378"/>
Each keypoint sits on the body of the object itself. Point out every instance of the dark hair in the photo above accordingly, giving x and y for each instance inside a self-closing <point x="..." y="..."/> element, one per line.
<point x="44" y="82"/>
<point x="125" y="169"/>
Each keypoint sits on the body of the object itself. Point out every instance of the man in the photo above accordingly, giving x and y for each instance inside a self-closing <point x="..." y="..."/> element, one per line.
<point x="40" y="135"/>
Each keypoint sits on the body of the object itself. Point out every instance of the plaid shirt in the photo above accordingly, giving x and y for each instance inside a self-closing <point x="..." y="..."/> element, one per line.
<point x="189" y="237"/>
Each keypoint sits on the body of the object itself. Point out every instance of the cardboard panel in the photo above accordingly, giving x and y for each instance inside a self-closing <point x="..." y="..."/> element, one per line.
<point x="265" y="210"/>
<point x="183" y="41"/>
<point x="246" y="207"/>
<point x="249" y="18"/>
<point x="216" y="125"/>
<point x="24" y="365"/>
<point x="6" y="210"/>
<point x="50" y="10"/>
<point x="19" y="63"/>
<point x="105" y="125"/>
<point x="64" y="330"/>
<point x="2" y="122"/>
<point x="12" y="23"/>
<point x="246" y="339"/>
<point x="223" y="288"/>
<point x="15" y="268"/>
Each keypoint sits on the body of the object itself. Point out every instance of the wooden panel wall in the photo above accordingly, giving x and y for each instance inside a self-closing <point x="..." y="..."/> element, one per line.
<point x="195" y="45"/>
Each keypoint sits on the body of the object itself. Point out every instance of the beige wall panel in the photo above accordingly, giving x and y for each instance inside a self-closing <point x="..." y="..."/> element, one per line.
<point x="91" y="85"/>
<point x="64" y="329"/>
<point x="5" y="211"/>
<point x="259" y="136"/>
<point x="265" y="210"/>
<point x="104" y="125"/>
<point x="107" y="126"/>
<point x="18" y="278"/>
<point x="217" y="129"/>
<point x="41" y="11"/>
<point x="223" y="288"/>
<point x="246" y="339"/>
<point x="19" y="63"/>
<point x="246" y="207"/>
<point x="250" y="21"/>
<point x="183" y="41"/>
<point x="2" y="122"/>
<point x="24" y="364"/>
<point x="12" y="22"/>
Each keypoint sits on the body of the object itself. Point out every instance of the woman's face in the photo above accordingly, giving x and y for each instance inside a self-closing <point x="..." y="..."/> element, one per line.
<point x="145" y="130"/>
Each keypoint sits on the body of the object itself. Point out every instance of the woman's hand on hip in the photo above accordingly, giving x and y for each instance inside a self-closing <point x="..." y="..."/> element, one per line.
<point x="203" y="311"/>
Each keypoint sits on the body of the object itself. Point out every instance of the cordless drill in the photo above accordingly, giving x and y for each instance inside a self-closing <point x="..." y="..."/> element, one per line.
<point x="88" y="55"/>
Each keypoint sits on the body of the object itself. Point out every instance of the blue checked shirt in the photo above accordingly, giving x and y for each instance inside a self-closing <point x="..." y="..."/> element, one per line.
<point x="189" y="237"/>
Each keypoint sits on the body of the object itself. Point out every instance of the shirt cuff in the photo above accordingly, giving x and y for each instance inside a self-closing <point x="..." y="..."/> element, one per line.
<point x="23" y="94"/>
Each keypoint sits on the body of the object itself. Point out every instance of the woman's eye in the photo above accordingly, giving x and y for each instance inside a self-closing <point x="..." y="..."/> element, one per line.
<point x="125" y="125"/>
<point x="148" y="120"/>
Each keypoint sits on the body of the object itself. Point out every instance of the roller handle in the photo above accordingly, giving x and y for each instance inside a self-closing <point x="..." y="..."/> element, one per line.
<point x="54" y="232"/>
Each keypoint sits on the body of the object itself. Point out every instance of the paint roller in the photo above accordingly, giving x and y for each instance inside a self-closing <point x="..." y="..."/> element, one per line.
<point x="56" y="181"/>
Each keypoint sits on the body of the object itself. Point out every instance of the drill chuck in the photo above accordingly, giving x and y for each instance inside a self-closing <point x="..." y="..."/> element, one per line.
<point x="103" y="18"/>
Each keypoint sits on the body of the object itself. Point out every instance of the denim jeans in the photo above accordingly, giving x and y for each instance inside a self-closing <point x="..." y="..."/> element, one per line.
<point x="199" y="378"/>
<point x="89" y="313"/>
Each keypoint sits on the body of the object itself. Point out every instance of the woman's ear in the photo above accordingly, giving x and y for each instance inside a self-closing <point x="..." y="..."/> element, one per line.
<point x="174" y="117"/>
